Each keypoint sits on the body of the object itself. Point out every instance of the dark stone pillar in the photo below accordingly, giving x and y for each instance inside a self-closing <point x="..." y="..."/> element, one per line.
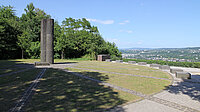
<point x="47" y="34"/>
<point x="43" y="41"/>
<point x="49" y="41"/>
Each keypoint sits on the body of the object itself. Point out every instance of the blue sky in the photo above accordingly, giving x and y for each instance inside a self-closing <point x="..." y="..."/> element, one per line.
<point x="130" y="23"/>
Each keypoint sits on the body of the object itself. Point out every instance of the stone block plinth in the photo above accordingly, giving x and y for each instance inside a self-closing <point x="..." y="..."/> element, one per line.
<point x="103" y="57"/>
<point x="172" y="70"/>
<point x="183" y="75"/>
<point x="142" y="63"/>
<point x="132" y="62"/>
<point x="164" y="67"/>
<point x="154" y="65"/>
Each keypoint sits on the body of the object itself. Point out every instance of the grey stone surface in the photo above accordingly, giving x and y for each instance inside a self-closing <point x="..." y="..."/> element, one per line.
<point x="180" y="97"/>
<point x="191" y="70"/>
<point x="172" y="70"/>
<point x="164" y="67"/>
<point x="47" y="34"/>
<point x="142" y="63"/>
<point x="119" y="61"/>
<point x="49" y="41"/>
<point x="132" y="62"/>
<point x="154" y="65"/>
<point x="147" y="106"/>
<point x="43" y="40"/>
<point x="41" y="64"/>
<point x="108" y="60"/>
<point x="183" y="75"/>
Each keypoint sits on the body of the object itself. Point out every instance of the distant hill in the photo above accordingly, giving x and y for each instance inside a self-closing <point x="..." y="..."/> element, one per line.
<point x="137" y="48"/>
<point x="190" y="54"/>
<point x="156" y="48"/>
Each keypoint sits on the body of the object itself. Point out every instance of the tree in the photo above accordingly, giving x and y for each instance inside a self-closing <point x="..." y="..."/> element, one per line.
<point x="9" y="30"/>
<point x="29" y="41"/>
<point x="74" y="38"/>
<point x="83" y="39"/>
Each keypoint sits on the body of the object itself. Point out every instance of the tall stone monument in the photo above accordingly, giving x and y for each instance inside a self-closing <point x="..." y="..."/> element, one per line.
<point x="47" y="34"/>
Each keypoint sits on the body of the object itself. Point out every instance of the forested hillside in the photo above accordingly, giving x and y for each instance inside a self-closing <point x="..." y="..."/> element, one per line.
<point x="74" y="38"/>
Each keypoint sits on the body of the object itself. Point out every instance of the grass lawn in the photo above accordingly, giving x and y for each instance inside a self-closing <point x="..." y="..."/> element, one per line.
<point x="4" y="64"/>
<point x="37" y="60"/>
<point x="139" y="84"/>
<point x="13" y="86"/>
<point x="8" y="70"/>
<point x="123" y="68"/>
<point x="61" y="91"/>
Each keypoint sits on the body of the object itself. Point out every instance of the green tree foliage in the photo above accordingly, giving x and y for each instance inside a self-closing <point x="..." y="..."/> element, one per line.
<point x="78" y="38"/>
<point x="9" y="30"/>
<point x="30" y="26"/>
<point x="73" y="39"/>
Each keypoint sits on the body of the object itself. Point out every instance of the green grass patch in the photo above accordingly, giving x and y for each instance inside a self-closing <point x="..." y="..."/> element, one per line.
<point x="13" y="86"/>
<point x="62" y="91"/>
<point x="7" y="63"/>
<point x="139" y="84"/>
<point x="123" y="68"/>
<point x="8" y="70"/>
<point x="37" y="60"/>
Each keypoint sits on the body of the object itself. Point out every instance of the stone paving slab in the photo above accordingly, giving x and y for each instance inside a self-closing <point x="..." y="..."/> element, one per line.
<point x="146" y="106"/>
<point x="179" y="98"/>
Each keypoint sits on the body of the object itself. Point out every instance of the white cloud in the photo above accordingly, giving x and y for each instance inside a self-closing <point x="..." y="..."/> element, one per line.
<point x="124" y="22"/>
<point x="127" y="31"/>
<point x="101" y="21"/>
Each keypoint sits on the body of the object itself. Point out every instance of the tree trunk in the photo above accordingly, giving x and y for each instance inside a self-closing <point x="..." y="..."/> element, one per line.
<point x="62" y="54"/>
<point x="22" y="54"/>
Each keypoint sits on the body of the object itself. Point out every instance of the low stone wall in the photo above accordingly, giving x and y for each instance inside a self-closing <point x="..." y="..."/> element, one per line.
<point x="175" y="70"/>
<point x="183" y="75"/>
